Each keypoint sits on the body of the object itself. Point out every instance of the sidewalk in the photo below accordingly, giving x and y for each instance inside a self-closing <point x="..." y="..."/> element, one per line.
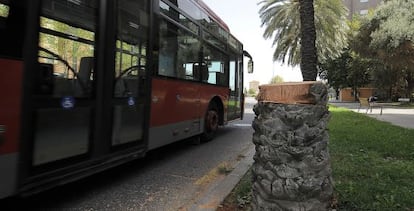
<point x="403" y="117"/>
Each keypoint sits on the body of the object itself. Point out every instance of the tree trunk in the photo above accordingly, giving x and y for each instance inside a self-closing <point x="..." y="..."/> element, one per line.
<point x="292" y="165"/>
<point x="356" y="93"/>
<point x="410" y="83"/>
<point x="308" y="36"/>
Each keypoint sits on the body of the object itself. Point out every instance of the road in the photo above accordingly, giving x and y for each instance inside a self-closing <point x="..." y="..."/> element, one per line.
<point x="171" y="178"/>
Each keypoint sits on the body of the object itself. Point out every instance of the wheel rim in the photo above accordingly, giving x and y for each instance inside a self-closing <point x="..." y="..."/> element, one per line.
<point x="212" y="120"/>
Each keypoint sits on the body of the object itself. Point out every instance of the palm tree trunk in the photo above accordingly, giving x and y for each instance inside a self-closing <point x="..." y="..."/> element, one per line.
<point x="291" y="169"/>
<point x="308" y="37"/>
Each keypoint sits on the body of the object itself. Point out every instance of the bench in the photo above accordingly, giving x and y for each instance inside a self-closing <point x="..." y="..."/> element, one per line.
<point x="363" y="102"/>
<point x="404" y="100"/>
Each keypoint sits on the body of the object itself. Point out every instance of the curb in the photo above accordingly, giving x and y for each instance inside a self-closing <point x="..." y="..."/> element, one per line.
<point x="218" y="191"/>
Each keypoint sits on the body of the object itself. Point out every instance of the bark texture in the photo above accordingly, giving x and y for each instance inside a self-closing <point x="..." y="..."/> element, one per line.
<point x="308" y="51"/>
<point x="292" y="165"/>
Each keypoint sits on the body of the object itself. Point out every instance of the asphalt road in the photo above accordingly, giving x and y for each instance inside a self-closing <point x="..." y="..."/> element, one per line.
<point x="172" y="178"/>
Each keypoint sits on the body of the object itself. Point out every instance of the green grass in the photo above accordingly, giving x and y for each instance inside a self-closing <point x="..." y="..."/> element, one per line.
<point x="372" y="162"/>
<point x="244" y="191"/>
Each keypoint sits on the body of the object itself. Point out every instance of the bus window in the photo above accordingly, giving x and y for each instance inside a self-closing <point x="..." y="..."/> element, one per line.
<point x="175" y="15"/>
<point x="217" y="66"/>
<point x="12" y="28"/>
<point x="233" y="103"/>
<point x="179" y="52"/>
<point x="4" y="10"/>
<point x="66" y="44"/>
<point x="190" y="8"/>
<point x="4" y="13"/>
<point x="131" y="47"/>
<point x="232" y="79"/>
<point x="214" y="41"/>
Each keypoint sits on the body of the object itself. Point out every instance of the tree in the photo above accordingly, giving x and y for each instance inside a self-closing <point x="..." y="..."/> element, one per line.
<point x="358" y="73"/>
<point x="292" y="168"/>
<point x="282" y="22"/>
<point x="385" y="79"/>
<point x="335" y="71"/>
<point x="252" y="92"/>
<point x="389" y="35"/>
<point x="276" y="79"/>
<point x="348" y="70"/>
<point x="308" y="38"/>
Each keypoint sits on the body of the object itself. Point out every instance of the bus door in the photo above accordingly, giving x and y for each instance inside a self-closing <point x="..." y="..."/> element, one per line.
<point x="63" y="97"/>
<point x="130" y="72"/>
<point x="72" y="96"/>
<point x="88" y="99"/>
<point x="234" y="108"/>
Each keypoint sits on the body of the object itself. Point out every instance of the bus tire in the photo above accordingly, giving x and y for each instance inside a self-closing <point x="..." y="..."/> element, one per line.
<point x="211" y="122"/>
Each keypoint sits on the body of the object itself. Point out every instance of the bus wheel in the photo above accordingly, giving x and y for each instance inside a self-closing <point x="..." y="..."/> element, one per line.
<point x="211" y="122"/>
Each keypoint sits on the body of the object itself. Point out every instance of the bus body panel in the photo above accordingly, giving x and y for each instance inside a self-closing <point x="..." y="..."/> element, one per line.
<point x="8" y="175"/>
<point x="208" y="93"/>
<point x="167" y="134"/>
<point x="10" y="91"/>
<point x="10" y="106"/>
<point x="173" y="101"/>
<point x="178" y="108"/>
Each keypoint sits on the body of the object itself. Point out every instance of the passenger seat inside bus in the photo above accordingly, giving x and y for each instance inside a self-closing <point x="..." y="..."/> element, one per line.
<point x="200" y="72"/>
<point x="83" y="83"/>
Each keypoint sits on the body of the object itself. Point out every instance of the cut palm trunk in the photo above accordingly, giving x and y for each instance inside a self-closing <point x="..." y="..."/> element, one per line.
<point x="292" y="164"/>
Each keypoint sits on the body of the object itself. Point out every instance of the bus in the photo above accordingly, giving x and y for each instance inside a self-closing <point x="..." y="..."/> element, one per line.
<point x="86" y="85"/>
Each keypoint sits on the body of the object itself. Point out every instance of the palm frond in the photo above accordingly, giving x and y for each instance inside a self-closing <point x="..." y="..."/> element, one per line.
<point x="281" y="22"/>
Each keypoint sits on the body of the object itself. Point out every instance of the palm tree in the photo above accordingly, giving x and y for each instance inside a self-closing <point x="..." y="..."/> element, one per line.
<point x="308" y="38"/>
<point x="292" y="165"/>
<point x="282" y="21"/>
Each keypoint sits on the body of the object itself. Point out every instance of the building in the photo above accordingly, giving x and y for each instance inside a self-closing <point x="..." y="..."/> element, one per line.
<point x="347" y="94"/>
<point x="360" y="7"/>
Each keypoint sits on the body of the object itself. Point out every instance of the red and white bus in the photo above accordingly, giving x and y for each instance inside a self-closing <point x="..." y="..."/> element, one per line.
<point x="89" y="84"/>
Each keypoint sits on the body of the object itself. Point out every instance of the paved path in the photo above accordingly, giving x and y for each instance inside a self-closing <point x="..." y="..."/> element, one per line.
<point x="403" y="117"/>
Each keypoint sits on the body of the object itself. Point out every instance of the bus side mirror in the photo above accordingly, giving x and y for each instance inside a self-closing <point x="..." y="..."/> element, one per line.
<point x="250" y="66"/>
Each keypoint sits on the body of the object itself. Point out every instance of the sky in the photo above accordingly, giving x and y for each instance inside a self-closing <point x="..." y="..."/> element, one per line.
<point x="242" y="17"/>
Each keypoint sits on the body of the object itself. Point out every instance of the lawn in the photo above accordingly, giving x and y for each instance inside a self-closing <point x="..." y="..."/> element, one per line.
<point x="372" y="162"/>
